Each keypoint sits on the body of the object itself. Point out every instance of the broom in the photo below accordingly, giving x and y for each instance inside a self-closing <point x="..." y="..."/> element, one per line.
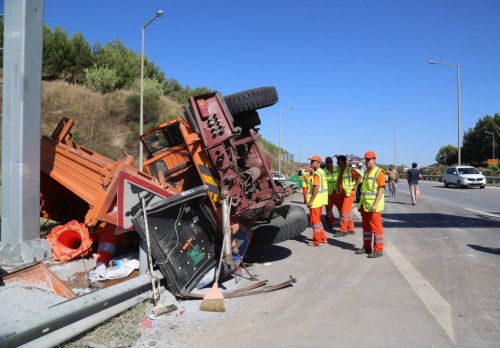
<point x="213" y="301"/>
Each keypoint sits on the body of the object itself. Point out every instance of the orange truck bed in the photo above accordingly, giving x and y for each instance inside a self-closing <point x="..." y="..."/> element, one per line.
<point x="77" y="183"/>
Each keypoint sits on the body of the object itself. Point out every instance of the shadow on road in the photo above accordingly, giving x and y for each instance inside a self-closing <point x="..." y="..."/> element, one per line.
<point x="434" y="220"/>
<point x="331" y="241"/>
<point x="341" y="244"/>
<point x="402" y="203"/>
<point x="267" y="253"/>
<point x="489" y="250"/>
<point x="298" y="202"/>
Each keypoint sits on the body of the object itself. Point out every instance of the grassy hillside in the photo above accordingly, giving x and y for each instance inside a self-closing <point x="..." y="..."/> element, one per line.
<point x="102" y="123"/>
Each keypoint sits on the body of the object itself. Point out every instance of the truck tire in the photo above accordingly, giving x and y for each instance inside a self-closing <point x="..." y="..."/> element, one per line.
<point x="288" y="222"/>
<point x="252" y="99"/>
<point x="247" y="120"/>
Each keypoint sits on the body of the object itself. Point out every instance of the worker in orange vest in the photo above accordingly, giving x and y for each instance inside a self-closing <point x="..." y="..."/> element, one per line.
<point x="347" y="182"/>
<point x="370" y="206"/>
<point x="316" y="199"/>
<point x="332" y="173"/>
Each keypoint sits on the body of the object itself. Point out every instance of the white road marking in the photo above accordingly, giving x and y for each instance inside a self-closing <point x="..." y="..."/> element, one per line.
<point x="483" y="213"/>
<point x="435" y="303"/>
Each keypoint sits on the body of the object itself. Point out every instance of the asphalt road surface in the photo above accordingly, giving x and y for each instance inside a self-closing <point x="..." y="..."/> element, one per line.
<point x="437" y="284"/>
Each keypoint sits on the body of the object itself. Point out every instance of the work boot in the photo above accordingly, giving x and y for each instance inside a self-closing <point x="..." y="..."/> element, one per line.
<point x="373" y="255"/>
<point x="350" y="233"/>
<point x="340" y="234"/>
<point x="363" y="251"/>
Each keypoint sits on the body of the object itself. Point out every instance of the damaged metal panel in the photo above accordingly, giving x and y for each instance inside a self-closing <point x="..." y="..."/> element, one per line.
<point x="182" y="231"/>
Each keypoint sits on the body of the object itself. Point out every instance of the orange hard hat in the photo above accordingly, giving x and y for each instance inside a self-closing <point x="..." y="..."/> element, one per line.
<point x="315" y="158"/>
<point x="370" y="155"/>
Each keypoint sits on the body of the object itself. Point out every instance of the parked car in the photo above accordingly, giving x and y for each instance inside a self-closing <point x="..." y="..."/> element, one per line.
<point x="463" y="176"/>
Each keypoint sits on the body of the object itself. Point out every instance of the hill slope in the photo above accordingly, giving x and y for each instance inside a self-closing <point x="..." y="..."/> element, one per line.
<point x="102" y="121"/>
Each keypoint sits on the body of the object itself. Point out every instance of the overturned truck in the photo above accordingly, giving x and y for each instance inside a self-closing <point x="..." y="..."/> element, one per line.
<point x="202" y="171"/>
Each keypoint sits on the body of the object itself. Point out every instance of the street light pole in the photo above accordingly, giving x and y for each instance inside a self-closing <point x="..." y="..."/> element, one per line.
<point x="395" y="123"/>
<point x="279" y="135"/>
<point x="457" y="66"/>
<point x="493" y="142"/>
<point x="159" y="13"/>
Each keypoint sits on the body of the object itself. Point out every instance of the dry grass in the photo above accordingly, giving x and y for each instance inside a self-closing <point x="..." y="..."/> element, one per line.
<point x="100" y="120"/>
<point x="120" y="331"/>
<point x="170" y="108"/>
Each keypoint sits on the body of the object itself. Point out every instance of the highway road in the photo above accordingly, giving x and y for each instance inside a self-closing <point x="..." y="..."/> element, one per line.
<point x="486" y="201"/>
<point x="437" y="284"/>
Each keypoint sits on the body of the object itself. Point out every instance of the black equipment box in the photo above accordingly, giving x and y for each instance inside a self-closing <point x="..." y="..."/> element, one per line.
<point x="182" y="232"/>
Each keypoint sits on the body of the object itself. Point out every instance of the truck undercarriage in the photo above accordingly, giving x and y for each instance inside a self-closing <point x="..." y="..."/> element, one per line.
<point x="194" y="164"/>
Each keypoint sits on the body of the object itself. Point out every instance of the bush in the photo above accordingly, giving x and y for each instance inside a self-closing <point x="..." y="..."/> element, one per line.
<point x="151" y="87"/>
<point x="152" y="108"/>
<point x="100" y="79"/>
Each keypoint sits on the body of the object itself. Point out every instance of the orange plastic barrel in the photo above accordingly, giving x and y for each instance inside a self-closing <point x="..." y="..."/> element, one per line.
<point x="69" y="241"/>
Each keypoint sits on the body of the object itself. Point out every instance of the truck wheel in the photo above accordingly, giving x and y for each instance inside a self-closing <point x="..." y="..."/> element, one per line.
<point x="247" y="120"/>
<point x="252" y="99"/>
<point x="288" y="222"/>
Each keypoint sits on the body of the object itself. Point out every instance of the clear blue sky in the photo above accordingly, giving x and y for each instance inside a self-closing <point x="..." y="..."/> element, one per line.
<point x="351" y="68"/>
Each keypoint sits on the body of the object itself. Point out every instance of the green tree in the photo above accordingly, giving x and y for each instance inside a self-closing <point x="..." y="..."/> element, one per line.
<point x="116" y="56"/>
<point x="181" y="94"/>
<point x="56" y="53"/>
<point x="447" y="155"/>
<point x="81" y="57"/>
<point x="477" y="144"/>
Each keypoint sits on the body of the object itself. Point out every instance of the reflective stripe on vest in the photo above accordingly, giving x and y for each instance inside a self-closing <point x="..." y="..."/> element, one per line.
<point x="331" y="179"/>
<point x="347" y="182"/>
<point x="322" y="195"/>
<point x="369" y="189"/>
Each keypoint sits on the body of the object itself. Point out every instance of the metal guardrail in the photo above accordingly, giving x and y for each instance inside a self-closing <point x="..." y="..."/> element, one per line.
<point x="490" y="180"/>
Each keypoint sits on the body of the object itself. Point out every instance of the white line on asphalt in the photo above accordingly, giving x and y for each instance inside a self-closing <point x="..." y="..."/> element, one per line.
<point x="435" y="303"/>
<point x="483" y="213"/>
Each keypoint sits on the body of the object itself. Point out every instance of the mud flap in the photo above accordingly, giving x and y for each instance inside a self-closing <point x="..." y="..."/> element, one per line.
<point x="182" y="232"/>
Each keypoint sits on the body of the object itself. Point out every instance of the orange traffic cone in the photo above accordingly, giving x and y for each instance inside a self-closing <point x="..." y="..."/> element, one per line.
<point x="69" y="241"/>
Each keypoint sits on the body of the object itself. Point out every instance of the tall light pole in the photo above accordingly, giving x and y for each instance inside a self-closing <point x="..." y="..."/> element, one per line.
<point x="159" y="13"/>
<point x="395" y="143"/>
<point x="457" y="66"/>
<point x="493" y="142"/>
<point x="279" y="135"/>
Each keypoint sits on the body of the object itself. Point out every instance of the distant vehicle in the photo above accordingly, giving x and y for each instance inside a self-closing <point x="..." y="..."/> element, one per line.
<point x="278" y="176"/>
<point x="288" y="186"/>
<point x="463" y="176"/>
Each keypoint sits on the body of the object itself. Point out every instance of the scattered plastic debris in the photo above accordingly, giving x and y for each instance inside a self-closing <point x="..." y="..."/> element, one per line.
<point x="146" y="324"/>
<point x="117" y="268"/>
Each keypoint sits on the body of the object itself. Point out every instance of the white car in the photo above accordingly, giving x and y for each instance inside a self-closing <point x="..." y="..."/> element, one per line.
<point x="278" y="176"/>
<point x="463" y="176"/>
